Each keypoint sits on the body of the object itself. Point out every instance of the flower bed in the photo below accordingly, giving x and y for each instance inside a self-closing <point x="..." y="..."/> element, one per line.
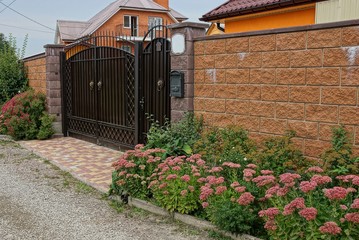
<point x="236" y="187"/>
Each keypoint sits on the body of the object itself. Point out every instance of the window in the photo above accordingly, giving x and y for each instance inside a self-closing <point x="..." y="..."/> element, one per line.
<point x="126" y="48"/>
<point x="154" y="21"/>
<point x="132" y="23"/>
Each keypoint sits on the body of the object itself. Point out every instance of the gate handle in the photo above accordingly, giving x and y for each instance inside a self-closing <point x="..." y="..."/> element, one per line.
<point x="99" y="85"/>
<point x="92" y="84"/>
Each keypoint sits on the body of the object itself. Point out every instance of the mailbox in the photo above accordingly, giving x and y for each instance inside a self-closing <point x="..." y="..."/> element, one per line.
<point x="177" y="84"/>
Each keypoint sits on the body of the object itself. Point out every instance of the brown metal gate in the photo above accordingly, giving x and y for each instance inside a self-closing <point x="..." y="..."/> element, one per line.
<point x="108" y="92"/>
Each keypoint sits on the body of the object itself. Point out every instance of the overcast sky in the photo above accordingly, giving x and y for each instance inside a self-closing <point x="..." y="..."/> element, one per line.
<point x="46" y="12"/>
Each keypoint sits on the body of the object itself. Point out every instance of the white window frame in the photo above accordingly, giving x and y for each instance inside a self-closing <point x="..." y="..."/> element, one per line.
<point x="129" y="21"/>
<point x="157" y="21"/>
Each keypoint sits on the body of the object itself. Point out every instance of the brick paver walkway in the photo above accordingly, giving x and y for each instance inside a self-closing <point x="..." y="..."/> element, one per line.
<point x="88" y="162"/>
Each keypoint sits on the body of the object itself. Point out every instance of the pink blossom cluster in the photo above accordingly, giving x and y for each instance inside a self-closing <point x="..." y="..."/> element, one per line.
<point x="330" y="228"/>
<point x="321" y="180"/>
<point x="297" y="203"/>
<point x="186" y="178"/>
<point x="354" y="179"/>
<point x="336" y="193"/>
<point x="315" y="169"/>
<point x="248" y="174"/>
<point x="355" y="204"/>
<point x="206" y="191"/>
<point x="307" y="186"/>
<point x="231" y="165"/>
<point x="215" y="170"/>
<point x="267" y="172"/>
<point x="309" y="213"/>
<point x="264" y="180"/>
<point x="288" y="178"/>
<point x="220" y="190"/>
<point x="352" y="217"/>
<point x="269" y="213"/>
<point x="245" y="199"/>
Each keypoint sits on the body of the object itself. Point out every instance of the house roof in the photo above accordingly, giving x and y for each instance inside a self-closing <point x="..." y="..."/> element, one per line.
<point x="104" y="15"/>
<point x="71" y="29"/>
<point x="233" y="8"/>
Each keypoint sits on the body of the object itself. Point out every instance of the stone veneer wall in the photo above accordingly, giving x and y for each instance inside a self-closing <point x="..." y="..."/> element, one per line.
<point x="36" y="72"/>
<point x="305" y="79"/>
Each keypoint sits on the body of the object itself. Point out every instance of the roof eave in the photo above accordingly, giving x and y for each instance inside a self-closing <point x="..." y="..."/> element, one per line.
<point x="256" y="9"/>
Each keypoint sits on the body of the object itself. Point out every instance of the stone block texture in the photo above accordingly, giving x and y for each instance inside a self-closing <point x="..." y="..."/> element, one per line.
<point x="306" y="81"/>
<point x="36" y="72"/>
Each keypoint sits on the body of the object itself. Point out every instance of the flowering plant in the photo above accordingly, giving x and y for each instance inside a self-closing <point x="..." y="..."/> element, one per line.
<point x="311" y="207"/>
<point x="176" y="183"/>
<point x="24" y="117"/>
<point x="133" y="171"/>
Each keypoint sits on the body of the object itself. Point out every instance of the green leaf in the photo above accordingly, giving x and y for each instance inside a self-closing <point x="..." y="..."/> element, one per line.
<point x="187" y="149"/>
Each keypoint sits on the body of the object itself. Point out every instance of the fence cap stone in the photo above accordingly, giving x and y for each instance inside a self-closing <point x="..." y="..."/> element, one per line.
<point x="188" y="24"/>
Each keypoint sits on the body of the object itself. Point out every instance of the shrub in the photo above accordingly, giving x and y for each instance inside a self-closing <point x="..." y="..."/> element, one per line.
<point x="133" y="172"/>
<point x="339" y="159"/>
<point x="177" y="138"/>
<point x="220" y="145"/>
<point x="280" y="155"/>
<point x="24" y="117"/>
<point x="12" y="72"/>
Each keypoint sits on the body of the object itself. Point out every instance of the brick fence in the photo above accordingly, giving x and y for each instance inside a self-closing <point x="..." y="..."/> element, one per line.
<point x="304" y="79"/>
<point x="36" y="71"/>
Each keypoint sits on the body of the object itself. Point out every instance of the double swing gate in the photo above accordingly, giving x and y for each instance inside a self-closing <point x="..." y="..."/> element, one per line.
<point x="110" y="95"/>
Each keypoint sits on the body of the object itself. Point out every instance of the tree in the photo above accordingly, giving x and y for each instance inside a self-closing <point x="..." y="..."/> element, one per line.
<point x="12" y="72"/>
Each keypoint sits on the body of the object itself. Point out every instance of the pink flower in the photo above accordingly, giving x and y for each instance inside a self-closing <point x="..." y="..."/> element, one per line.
<point x="352" y="217"/>
<point x="163" y="185"/>
<point x="152" y="183"/>
<point x="201" y="162"/>
<point x="215" y="170"/>
<point x="330" y="228"/>
<point x="288" y="178"/>
<point x="130" y="165"/>
<point x="253" y="166"/>
<point x="240" y="189"/>
<point x="315" y="170"/>
<point x="351" y="190"/>
<point x="176" y="168"/>
<point x="336" y="193"/>
<point x="245" y="199"/>
<point x="220" y="180"/>
<point x="142" y="167"/>
<point x="191" y="188"/>
<point x="273" y="190"/>
<point x="321" y="180"/>
<point x="186" y="178"/>
<point x="184" y="193"/>
<point x="165" y="193"/>
<point x="307" y="186"/>
<point x="122" y="173"/>
<point x="171" y="177"/>
<point x="270" y="225"/>
<point x="264" y="180"/>
<point x="248" y="173"/>
<point x="235" y="184"/>
<point x="220" y="190"/>
<point x="270" y="213"/>
<point x="282" y="191"/>
<point x="205" y="204"/>
<point x="231" y="165"/>
<point x="201" y="180"/>
<point x="343" y="207"/>
<point x="205" y="192"/>
<point x="196" y="174"/>
<point x="297" y="203"/>
<point x="267" y="172"/>
<point x="308" y="213"/>
<point x="355" y="204"/>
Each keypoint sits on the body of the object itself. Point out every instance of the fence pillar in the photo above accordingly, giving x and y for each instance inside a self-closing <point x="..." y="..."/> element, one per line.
<point x="53" y="84"/>
<point x="184" y="62"/>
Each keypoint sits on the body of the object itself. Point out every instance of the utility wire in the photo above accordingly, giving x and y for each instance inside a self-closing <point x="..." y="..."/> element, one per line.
<point x="32" y="20"/>
<point x="7" y="6"/>
<point x="29" y="29"/>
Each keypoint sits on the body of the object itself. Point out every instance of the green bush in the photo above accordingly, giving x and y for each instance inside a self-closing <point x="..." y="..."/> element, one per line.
<point x="231" y="144"/>
<point x="176" y="138"/>
<point x="339" y="158"/>
<point x="24" y="117"/>
<point x="12" y="72"/>
<point x="281" y="155"/>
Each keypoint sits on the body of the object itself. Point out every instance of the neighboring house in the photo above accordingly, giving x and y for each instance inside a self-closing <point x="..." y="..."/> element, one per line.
<point x="253" y="15"/>
<point x="127" y="18"/>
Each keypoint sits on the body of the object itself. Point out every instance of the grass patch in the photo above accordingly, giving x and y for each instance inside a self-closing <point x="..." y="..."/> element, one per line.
<point x="217" y="236"/>
<point x="117" y="206"/>
<point x="83" y="188"/>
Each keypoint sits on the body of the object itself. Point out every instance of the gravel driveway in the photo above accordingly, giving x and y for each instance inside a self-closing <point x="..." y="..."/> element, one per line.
<point x="39" y="201"/>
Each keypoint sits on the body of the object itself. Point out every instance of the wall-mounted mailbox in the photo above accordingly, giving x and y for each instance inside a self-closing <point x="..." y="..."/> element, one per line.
<point x="177" y="84"/>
